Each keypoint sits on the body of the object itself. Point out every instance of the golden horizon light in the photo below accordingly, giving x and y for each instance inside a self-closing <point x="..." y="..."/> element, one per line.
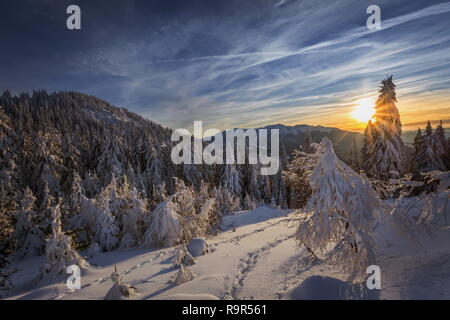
<point x="363" y="110"/>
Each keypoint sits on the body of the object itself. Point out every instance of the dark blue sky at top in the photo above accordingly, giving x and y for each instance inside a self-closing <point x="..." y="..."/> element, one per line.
<point x="229" y="63"/>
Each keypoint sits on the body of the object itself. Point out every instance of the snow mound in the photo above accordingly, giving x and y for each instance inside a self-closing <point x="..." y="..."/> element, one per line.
<point x="197" y="247"/>
<point x="327" y="288"/>
<point x="187" y="296"/>
<point x="250" y="217"/>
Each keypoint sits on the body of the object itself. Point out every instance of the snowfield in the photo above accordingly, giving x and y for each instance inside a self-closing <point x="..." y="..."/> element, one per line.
<point x="255" y="256"/>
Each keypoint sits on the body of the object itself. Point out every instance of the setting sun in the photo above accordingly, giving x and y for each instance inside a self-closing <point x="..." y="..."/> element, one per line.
<point x="363" y="110"/>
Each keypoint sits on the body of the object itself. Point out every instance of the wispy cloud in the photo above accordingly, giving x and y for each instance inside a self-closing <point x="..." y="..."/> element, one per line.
<point x="252" y="64"/>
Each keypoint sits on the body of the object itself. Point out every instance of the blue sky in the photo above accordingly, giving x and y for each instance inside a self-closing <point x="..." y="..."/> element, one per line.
<point x="233" y="63"/>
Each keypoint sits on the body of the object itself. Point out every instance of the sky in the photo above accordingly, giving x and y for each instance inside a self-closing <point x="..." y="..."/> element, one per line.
<point x="232" y="63"/>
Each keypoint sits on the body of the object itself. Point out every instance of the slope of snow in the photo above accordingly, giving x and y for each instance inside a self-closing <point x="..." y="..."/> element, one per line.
<point x="254" y="257"/>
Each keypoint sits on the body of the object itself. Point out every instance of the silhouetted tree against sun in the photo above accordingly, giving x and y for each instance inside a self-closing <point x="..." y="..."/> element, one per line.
<point x="384" y="152"/>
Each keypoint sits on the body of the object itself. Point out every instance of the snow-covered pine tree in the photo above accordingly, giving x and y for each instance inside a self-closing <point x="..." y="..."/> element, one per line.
<point x="429" y="152"/>
<point x="232" y="180"/>
<point x="28" y="237"/>
<point x="367" y="155"/>
<point x="306" y="146"/>
<point x="59" y="251"/>
<point x="159" y="195"/>
<point x="91" y="184"/>
<point x="385" y="149"/>
<point x="439" y="145"/>
<point x="133" y="221"/>
<point x="340" y="213"/>
<point x="75" y="195"/>
<point x="264" y="187"/>
<point x="354" y="158"/>
<point x="154" y="170"/>
<point x="226" y="202"/>
<point x="71" y="160"/>
<point x="297" y="178"/>
<point x="444" y="153"/>
<point x="165" y="228"/>
<point x="417" y="161"/>
<point x="131" y="176"/>
<point x="111" y="160"/>
<point x="208" y="217"/>
<point x="192" y="175"/>
<point x="95" y="224"/>
<point x="106" y="229"/>
<point x="183" y="199"/>
<point x="252" y="183"/>
<point x="45" y="208"/>
<point x="7" y="211"/>
<point x="202" y="195"/>
<point x="249" y="203"/>
<point x="43" y="163"/>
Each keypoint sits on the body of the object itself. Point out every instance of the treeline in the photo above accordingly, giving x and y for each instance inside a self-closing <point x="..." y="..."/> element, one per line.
<point x="80" y="154"/>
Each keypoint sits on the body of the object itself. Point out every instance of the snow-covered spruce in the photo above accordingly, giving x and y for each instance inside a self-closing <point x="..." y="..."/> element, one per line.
<point x="59" y="251"/>
<point x="98" y="223"/>
<point x="132" y="220"/>
<point x="340" y="213"/>
<point x="165" y="228"/>
<point x="430" y="149"/>
<point x="297" y="177"/>
<point x="28" y="237"/>
<point x="232" y="180"/>
<point x="383" y="150"/>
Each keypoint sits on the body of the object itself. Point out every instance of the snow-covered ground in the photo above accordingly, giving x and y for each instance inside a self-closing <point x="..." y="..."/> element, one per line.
<point x="255" y="256"/>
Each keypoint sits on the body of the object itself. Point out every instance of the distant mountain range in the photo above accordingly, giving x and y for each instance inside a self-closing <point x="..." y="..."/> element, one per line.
<point x="291" y="137"/>
<point x="79" y="108"/>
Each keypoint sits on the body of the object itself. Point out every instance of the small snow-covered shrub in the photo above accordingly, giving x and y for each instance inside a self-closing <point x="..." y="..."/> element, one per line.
<point x="208" y="216"/>
<point x="120" y="290"/>
<point x="184" y="275"/>
<point x="182" y="256"/>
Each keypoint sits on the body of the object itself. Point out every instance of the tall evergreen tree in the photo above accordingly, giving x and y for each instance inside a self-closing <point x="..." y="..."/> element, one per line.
<point x="354" y="158"/>
<point x="418" y="148"/>
<point x="430" y="151"/>
<point x="232" y="180"/>
<point x="59" y="251"/>
<point x="27" y="234"/>
<point x="306" y="146"/>
<point x="384" y="153"/>
<point x="441" y="146"/>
